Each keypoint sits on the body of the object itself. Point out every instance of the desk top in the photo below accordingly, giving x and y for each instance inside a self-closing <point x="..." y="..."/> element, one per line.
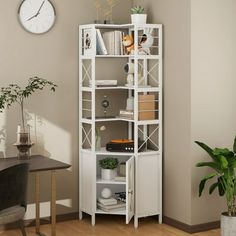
<point x="36" y="163"/>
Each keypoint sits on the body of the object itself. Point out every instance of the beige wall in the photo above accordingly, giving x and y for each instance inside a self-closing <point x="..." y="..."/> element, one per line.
<point x="175" y="16"/>
<point x="53" y="56"/>
<point x="199" y="106"/>
<point x="213" y="83"/>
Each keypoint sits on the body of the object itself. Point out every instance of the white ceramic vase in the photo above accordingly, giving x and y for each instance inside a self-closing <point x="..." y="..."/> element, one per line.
<point x="108" y="174"/>
<point x="138" y="18"/>
<point x="228" y="225"/>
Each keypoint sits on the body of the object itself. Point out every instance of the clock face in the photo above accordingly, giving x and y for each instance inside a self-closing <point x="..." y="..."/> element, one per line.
<point x="37" y="16"/>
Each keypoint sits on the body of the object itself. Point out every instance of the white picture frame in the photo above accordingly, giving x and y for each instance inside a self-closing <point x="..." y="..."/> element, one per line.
<point x="88" y="42"/>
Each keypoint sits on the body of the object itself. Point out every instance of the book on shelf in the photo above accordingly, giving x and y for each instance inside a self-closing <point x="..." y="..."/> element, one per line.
<point x="116" y="207"/>
<point x="104" y="83"/>
<point x="113" y="42"/>
<point x="101" y="48"/>
<point x="120" y="178"/>
<point x="107" y="201"/>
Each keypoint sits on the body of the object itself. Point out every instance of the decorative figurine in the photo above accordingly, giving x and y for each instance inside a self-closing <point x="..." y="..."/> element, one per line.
<point x="105" y="104"/>
<point x="128" y="43"/>
<point x="129" y="69"/>
<point x="146" y="42"/>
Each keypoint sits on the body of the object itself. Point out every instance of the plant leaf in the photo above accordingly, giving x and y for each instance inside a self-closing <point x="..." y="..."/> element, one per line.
<point x="234" y="147"/>
<point x="223" y="151"/>
<point x="203" y="182"/>
<point x="223" y="162"/>
<point x="213" y="187"/>
<point x="213" y="165"/>
<point x="207" y="149"/>
<point x="220" y="186"/>
<point x="232" y="162"/>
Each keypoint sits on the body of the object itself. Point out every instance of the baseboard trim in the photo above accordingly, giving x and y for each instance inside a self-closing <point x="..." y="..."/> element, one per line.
<point x="191" y="228"/>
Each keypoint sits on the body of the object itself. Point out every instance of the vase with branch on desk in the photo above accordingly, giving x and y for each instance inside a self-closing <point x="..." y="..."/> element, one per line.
<point x="13" y="93"/>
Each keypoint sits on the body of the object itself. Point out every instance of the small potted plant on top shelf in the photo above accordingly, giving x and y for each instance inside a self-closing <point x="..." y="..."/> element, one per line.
<point x="138" y="16"/>
<point x="224" y="165"/>
<point x="108" y="168"/>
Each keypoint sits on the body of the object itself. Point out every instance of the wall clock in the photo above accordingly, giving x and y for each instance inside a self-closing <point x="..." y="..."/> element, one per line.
<point x="37" y="16"/>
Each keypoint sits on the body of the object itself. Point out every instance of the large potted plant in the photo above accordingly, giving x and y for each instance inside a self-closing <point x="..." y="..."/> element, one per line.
<point x="138" y="16"/>
<point x="13" y="93"/>
<point x="223" y="164"/>
<point x="108" y="168"/>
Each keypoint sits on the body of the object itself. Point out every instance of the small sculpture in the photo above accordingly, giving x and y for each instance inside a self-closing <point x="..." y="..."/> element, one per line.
<point x="105" y="104"/>
<point x="146" y="42"/>
<point x="129" y="69"/>
<point x="128" y="43"/>
<point x="106" y="193"/>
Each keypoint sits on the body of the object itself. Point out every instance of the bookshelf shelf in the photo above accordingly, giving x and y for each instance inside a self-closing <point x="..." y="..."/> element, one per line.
<point x="123" y="212"/>
<point x="101" y="181"/>
<point x="104" y="152"/>
<point x="100" y="48"/>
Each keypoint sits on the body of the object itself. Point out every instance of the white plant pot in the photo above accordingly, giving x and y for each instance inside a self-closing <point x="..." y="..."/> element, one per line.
<point x="228" y="225"/>
<point x="138" y="18"/>
<point x="108" y="174"/>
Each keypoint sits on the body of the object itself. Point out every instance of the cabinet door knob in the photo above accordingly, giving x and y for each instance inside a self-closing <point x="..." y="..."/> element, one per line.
<point x="130" y="191"/>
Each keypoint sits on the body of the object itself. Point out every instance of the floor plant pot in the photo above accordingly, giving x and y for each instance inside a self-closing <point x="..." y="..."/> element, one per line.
<point x="228" y="225"/>
<point x="138" y="18"/>
<point x="108" y="174"/>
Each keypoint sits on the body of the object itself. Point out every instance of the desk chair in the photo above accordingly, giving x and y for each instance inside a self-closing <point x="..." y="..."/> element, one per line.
<point x="13" y="190"/>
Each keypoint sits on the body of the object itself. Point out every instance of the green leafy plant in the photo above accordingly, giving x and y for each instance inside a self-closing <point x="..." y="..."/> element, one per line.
<point x="108" y="163"/>
<point x="13" y="93"/>
<point x="223" y="165"/>
<point x="137" y="10"/>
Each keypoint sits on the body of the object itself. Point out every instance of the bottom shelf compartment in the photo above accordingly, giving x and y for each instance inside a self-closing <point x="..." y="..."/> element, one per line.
<point x="108" y="201"/>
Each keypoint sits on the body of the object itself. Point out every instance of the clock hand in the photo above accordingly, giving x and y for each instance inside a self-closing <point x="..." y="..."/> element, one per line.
<point x="31" y="18"/>
<point x="37" y="12"/>
<point x="40" y="8"/>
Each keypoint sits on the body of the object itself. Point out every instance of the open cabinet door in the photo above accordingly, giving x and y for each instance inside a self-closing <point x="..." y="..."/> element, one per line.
<point x="129" y="189"/>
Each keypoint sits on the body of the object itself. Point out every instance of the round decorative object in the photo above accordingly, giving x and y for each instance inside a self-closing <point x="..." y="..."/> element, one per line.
<point x="106" y="193"/>
<point x="37" y="16"/>
<point x="105" y="103"/>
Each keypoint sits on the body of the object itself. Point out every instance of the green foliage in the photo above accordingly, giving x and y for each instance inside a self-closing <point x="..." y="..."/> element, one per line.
<point x="13" y="93"/>
<point x="137" y="10"/>
<point x="108" y="163"/>
<point x="223" y="163"/>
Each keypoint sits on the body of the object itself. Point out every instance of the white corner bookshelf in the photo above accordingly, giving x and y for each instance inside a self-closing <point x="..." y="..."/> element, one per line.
<point x="142" y="184"/>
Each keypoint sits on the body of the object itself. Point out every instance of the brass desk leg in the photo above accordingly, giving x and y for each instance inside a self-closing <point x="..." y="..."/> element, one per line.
<point x="37" y="199"/>
<point x="53" y="203"/>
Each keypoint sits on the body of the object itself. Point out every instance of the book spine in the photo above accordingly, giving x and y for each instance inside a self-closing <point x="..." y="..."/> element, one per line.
<point x="100" y="42"/>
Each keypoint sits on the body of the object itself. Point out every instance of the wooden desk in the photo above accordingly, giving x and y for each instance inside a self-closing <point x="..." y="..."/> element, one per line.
<point x="37" y="164"/>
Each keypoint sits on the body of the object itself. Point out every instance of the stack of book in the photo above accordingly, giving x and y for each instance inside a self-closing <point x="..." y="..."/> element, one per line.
<point x="110" y="204"/>
<point x="110" y="43"/>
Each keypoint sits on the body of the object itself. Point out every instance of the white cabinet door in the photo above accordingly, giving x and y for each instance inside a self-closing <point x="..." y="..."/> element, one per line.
<point x="129" y="189"/>
<point x="147" y="185"/>
<point x="88" y="183"/>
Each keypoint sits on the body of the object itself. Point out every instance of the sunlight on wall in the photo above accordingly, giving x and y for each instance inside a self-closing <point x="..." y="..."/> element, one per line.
<point x="45" y="208"/>
<point x="50" y="140"/>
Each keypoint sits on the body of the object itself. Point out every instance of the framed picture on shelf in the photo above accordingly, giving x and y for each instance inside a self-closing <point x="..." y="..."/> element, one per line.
<point x="88" y="42"/>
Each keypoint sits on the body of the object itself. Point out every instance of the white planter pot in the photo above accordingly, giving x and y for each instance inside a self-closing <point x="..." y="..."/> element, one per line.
<point x="138" y="18"/>
<point x="228" y="225"/>
<point x="108" y="174"/>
